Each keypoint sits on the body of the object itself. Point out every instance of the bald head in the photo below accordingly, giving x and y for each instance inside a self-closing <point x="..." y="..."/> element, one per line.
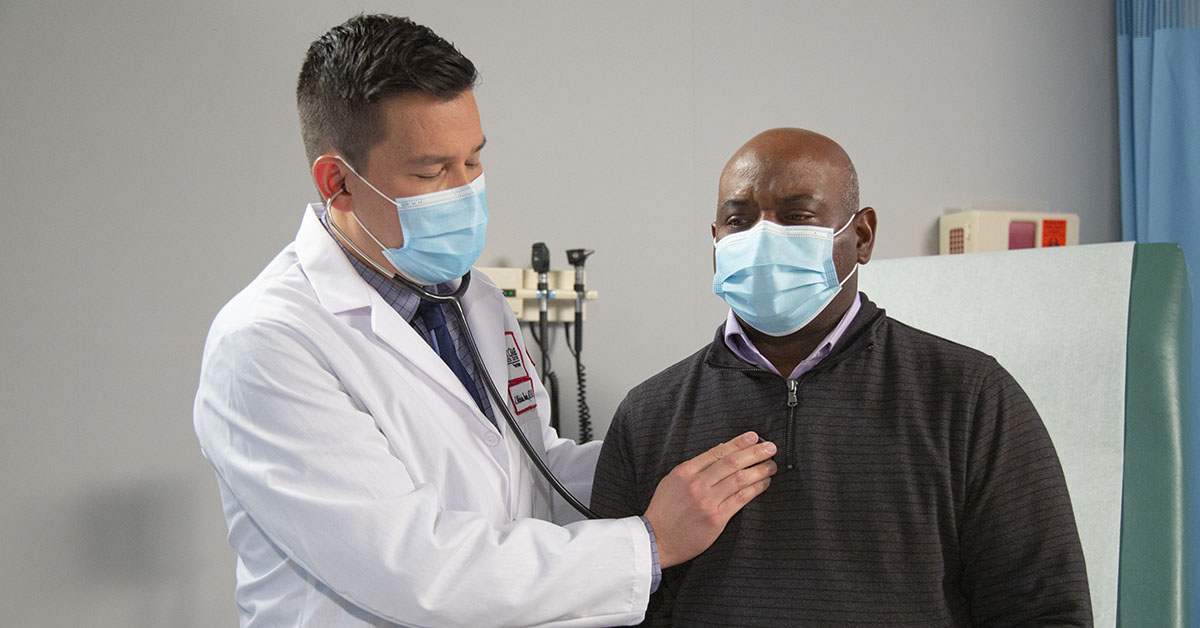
<point x="786" y="158"/>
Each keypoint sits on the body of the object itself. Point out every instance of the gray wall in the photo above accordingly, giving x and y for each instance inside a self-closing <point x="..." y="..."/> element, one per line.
<point x="151" y="165"/>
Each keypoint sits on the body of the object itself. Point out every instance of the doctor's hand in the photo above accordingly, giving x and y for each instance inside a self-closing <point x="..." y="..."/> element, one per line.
<point x="693" y="503"/>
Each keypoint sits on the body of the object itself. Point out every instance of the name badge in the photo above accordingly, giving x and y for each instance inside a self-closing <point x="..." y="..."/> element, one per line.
<point x="520" y="384"/>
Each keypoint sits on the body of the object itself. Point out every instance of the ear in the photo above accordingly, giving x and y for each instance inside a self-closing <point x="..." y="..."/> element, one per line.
<point x="864" y="229"/>
<point x="329" y="173"/>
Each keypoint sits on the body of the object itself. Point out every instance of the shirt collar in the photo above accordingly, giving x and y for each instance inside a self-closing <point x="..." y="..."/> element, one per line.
<point x="741" y="345"/>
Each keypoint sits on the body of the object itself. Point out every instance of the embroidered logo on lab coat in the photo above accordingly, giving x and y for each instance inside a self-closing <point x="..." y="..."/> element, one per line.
<point x="520" y="384"/>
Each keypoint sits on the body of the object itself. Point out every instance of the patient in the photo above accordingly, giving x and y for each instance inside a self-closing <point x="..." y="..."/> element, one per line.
<point x="917" y="485"/>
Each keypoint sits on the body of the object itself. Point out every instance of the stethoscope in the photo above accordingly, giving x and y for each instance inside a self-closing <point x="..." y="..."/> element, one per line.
<point x="455" y="300"/>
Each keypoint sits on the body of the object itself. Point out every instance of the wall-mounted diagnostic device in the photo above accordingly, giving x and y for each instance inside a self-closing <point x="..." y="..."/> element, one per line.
<point x="541" y="297"/>
<point x="991" y="230"/>
<point x="519" y="286"/>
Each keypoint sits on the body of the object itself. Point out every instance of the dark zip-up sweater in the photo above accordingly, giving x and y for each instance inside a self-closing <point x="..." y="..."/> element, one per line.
<point x="924" y="491"/>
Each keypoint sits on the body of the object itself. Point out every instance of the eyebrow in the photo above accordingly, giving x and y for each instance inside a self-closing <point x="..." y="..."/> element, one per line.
<point x="739" y="203"/>
<point x="432" y="160"/>
<point x="792" y="198"/>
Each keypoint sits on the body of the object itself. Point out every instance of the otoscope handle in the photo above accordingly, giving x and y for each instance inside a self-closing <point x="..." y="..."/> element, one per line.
<point x="577" y="258"/>
<point x="578" y="308"/>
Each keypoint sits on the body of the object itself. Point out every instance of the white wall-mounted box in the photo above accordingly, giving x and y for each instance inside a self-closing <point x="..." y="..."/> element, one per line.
<point x="986" y="230"/>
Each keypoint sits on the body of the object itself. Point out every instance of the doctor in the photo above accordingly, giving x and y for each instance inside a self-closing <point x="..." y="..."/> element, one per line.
<point x="365" y="476"/>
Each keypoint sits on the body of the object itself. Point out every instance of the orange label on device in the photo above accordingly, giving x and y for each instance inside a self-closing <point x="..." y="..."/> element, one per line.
<point x="1054" y="233"/>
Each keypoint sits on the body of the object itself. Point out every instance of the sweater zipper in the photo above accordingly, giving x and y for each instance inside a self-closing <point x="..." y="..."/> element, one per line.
<point x="789" y="457"/>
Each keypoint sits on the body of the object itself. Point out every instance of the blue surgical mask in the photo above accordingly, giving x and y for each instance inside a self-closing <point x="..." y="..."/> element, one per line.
<point x="444" y="232"/>
<point x="778" y="279"/>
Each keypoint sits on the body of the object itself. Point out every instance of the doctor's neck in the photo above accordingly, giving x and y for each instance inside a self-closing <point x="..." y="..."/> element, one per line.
<point x="343" y="228"/>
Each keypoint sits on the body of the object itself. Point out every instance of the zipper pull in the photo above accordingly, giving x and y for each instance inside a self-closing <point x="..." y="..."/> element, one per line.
<point x="790" y="434"/>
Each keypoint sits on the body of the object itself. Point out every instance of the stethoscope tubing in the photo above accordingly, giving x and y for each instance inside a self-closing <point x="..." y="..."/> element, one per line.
<point x="508" y="417"/>
<point x="455" y="299"/>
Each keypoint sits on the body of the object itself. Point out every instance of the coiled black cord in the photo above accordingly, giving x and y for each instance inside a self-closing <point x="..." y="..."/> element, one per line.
<point x="585" y="413"/>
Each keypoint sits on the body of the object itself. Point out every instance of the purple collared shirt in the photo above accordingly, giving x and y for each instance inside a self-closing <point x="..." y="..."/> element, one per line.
<point x="741" y="346"/>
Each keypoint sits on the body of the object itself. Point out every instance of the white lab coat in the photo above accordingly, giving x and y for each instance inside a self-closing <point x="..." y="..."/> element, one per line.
<point x="363" y="487"/>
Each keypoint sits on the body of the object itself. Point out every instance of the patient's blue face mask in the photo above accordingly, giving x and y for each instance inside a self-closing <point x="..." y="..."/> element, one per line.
<point x="778" y="279"/>
<point x="444" y="232"/>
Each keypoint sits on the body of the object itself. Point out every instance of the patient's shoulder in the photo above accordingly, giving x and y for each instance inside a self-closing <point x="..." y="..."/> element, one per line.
<point x="666" y="385"/>
<point x="900" y="336"/>
<point x="911" y="353"/>
<point x="674" y="374"/>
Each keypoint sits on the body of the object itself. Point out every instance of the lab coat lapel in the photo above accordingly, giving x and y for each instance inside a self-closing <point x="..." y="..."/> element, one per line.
<point x="334" y="280"/>
<point x="340" y="288"/>
<point x="489" y="333"/>
<point x="503" y="349"/>
<point x="513" y="375"/>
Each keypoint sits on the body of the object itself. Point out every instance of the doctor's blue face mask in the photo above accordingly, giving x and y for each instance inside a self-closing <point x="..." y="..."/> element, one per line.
<point x="778" y="278"/>
<point x="444" y="232"/>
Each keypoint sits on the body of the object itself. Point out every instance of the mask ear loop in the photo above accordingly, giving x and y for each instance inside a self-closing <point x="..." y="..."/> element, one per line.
<point x="345" y="238"/>
<point x="835" y="234"/>
<point x="364" y="180"/>
<point x="353" y="214"/>
<point x="852" y="271"/>
<point x="839" y="231"/>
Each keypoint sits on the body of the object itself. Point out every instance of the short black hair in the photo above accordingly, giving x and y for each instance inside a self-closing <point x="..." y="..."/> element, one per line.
<point x="351" y="69"/>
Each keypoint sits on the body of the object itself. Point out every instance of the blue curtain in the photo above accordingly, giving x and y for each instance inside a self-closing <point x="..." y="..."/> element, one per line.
<point x="1158" y="71"/>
